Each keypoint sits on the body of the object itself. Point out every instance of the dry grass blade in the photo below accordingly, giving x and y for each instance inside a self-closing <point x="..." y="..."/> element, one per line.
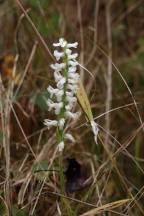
<point x="85" y="105"/>
<point x="5" y="119"/>
<point x="83" y="101"/>
<point x="121" y="177"/>
<point x="27" y="65"/>
<point x="105" y="207"/>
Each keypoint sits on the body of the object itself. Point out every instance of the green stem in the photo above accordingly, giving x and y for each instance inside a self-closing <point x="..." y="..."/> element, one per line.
<point x="60" y="132"/>
<point x="61" y="182"/>
<point x="61" y="173"/>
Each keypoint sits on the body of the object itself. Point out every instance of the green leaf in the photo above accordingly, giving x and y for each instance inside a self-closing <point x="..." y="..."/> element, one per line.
<point x="43" y="165"/>
<point x="55" y="22"/>
<point x="141" y="58"/>
<point x="44" y="29"/>
<point x="2" y="208"/>
<point x="18" y="94"/>
<point x="141" y="41"/>
<point x="43" y="170"/>
<point x="50" y="27"/>
<point x="20" y="212"/>
<point x="35" y="3"/>
<point x="40" y="99"/>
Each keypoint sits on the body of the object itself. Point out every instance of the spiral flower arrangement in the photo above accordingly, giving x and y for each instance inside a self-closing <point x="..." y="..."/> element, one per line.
<point x="62" y="99"/>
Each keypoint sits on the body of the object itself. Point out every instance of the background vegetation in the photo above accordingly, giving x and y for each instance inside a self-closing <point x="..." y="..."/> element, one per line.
<point x="111" y="46"/>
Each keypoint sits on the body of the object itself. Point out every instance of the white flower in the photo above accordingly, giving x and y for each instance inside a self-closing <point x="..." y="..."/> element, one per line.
<point x="61" y="83"/>
<point x="73" y="56"/>
<point x="58" y="55"/>
<point x="61" y="146"/>
<point x="61" y="123"/>
<point x="72" y="45"/>
<point x="68" y="51"/>
<point x="74" y="76"/>
<point x="95" y="130"/>
<point x="52" y="91"/>
<point x="69" y="106"/>
<point x="73" y="81"/>
<point x="71" y="99"/>
<point x="73" y="63"/>
<point x="50" y="123"/>
<point x="70" y="137"/>
<point x="50" y="104"/>
<point x="57" y="76"/>
<point x="72" y="115"/>
<point x="59" y="95"/>
<point x="62" y="43"/>
<point x="69" y="94"/>
<point x="57" y="66"/>
<point x="73" y="88"/>
<point x="72" y="69"/>
<point x="58" y="107"/>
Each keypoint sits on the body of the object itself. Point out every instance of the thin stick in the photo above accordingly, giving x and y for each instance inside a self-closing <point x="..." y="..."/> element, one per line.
<point x="16" y="117"/>
<point x="99" y="116"/>
<point x="81" y="38"/>
<point x="95" y="32"/>
<point x="27" y="65"/>
<point x="109" y="71"/>
<point x="35" y="29"/>
<point x="130" y="10"/>
<point x="73" y="199"/>
<point x="46" y="170"/>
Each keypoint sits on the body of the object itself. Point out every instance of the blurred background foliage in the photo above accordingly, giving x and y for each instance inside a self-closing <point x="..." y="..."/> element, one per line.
<point x="61" y="18"/>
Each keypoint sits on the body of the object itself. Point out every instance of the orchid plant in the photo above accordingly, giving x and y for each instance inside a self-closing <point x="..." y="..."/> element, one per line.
<point x="62" y="99"/>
